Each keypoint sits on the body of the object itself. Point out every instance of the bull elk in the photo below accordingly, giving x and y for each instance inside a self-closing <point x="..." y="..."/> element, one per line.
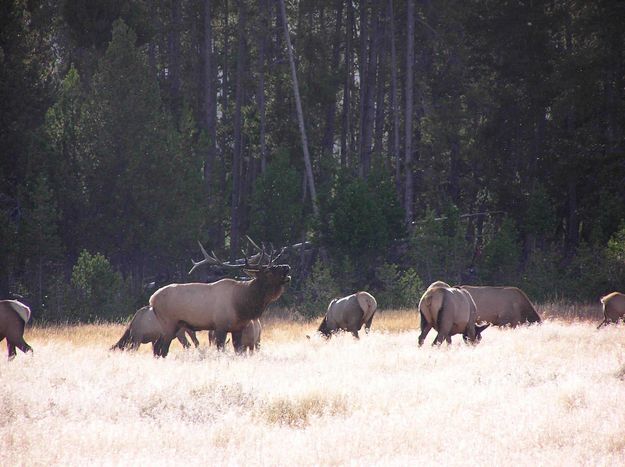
<point x="227" y="305"/>
<point x="13" y="317"/>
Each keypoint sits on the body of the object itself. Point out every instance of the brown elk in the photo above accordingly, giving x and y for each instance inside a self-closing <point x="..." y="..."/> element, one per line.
<point x="450" y="311"/>
<point x="502" y="306"/>
<point x="349" y="314"/>
<point x="13" y="317"/>
<point x="227" y="305"/>
<point x="613" y="308"/>
<point x="144" y="328"/>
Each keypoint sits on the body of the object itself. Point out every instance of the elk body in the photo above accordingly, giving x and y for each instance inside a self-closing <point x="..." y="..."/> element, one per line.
<point x="613" y="308"/>
<point x="449" y="310"/>
<point x="224" y="306"/>
<point x="13" y="318"/>
<point x="349" y="314"/>
<point x="144" y="328"/>
<point x="502" y="306"/>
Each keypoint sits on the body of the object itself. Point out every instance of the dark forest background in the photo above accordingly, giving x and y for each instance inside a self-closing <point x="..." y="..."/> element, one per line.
<point x="469" y="141"/>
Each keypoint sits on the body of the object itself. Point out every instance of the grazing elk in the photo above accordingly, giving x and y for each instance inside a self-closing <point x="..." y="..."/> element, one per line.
<point x="349" y="314"/>
<point x="144" y="328"/>
<point x="13" y="317"/>
<point x="613" y="308"/>
<point x="450" y="311"/>
<point x="227" y="305"/>
<point x="502" y="306"/>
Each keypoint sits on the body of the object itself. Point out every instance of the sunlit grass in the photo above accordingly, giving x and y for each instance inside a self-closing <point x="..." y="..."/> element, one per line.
<point x="538" y="395"/>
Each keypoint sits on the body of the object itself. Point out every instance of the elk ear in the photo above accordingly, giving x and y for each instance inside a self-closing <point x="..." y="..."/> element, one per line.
<point x="250" y="272"/>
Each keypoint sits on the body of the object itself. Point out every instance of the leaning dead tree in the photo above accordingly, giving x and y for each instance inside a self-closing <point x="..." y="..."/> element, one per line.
<point x="300" y="113"/>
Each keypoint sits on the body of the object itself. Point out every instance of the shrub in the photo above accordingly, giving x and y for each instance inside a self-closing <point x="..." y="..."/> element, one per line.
<point x="99" y="290"/>
<point x="501" y="256"/>
<point x="400" y="289"/>
<point x="438" y="250"/>
<point x="318" y="289"/>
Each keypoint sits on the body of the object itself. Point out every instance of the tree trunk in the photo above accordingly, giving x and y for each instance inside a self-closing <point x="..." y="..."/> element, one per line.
<point x="262" y="45"/>
<point x="370" y="84"/>
<point x="362" y="84"/>
<point x="174" y="60"/>
<point x="226" y="55"/>
<point x="238" y="137"/>
<point x="346" y="120"/>
<point x="409" y="190"/>
<point x="380" y="86"/>
<point x="395" y="100"/>
<point x="328" y="136"/>
<point x="210" y="100"/>
<point x="300" y="113"/>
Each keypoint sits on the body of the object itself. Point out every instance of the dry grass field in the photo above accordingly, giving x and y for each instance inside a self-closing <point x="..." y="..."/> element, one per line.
<point x="542" y="395"/>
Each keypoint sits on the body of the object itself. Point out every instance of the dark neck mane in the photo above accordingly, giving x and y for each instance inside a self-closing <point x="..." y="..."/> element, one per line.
<point x="254" y="298"/>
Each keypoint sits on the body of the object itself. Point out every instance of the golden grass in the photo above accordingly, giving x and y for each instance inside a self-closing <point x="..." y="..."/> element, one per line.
<point x="546" y="395"/>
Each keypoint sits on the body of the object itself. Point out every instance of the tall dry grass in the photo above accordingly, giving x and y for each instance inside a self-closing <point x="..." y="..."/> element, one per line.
<point x="547" y="395"/>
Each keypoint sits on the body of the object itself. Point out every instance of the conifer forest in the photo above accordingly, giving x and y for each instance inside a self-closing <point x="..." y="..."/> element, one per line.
<point x="386" y="143"/>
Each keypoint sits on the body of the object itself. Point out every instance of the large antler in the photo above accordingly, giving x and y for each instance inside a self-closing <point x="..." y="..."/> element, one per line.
<point x="208" y="259"/>
<point x="262" y="253"/>
<point x="253" y="263"/>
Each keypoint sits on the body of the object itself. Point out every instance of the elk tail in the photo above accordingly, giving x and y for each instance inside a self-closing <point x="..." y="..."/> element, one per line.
<point x="124" y="342"/>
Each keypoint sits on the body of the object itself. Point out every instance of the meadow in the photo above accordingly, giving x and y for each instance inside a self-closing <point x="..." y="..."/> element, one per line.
<point x="540" y="395"/>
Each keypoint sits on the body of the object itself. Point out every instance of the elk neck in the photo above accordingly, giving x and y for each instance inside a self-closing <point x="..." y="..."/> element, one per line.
<point x="256" y="295"/>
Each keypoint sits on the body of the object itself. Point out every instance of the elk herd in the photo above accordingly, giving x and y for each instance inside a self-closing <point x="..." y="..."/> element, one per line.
<point x="235" y="306"/>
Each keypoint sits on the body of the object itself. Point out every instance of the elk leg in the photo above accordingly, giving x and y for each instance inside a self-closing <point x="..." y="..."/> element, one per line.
<point x="425" y="328"/>
<point x="161" y="346"/>
<point x="220" y="339"/>
<point x="193" y="337"/>
<point x="156" y="347"/>
<point x="368" y="325"/>
<point x="603" y="323"/>
<point x="183" y="339"/>
<point x="236" y="342"/>
<point x="23" y="346"/>
<point x="355" y="334"/>
<point x="11" y="349"/>
<point x="165" y="345"/>
<point x="439" y="339"/>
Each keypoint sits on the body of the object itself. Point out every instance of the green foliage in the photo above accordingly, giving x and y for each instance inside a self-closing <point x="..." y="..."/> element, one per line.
<point x="399" y="289"/>
<point x="99" y="289"/>
<point x="275" y="208"/>
<point x="438" y="249"/>
<point x="141" y="172"/>
<point x="616" y="245"/>
<point x="499" y="263"/>
<point x="542" y="278"/>
<point x="587" y="275"/>
<point x="318" y="289"/>
<point x="90" y="23"/>
<point x="505" y="123"/>
<point x="539" y="218"/>
<point x="364" y="216"/>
